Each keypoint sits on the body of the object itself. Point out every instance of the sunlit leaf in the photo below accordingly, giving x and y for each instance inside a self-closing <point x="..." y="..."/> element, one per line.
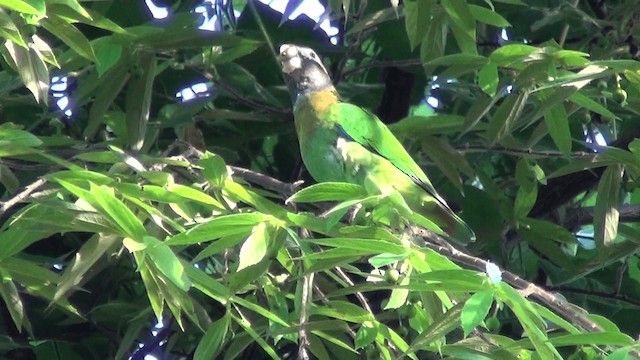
<point x="328" y="191"/>
<point x="606" y="215"/>
<point x="475" y="310"/>
<point x="31" y="68"/>
<point x="487" y="16"/>
<point x="211" y="342"/>
<point x="71" y="36"/>
<point x="35" y="7"/>
<point x="254" y="248"/>
<point x="218" y="227"/>
<point x="462" y="23"/>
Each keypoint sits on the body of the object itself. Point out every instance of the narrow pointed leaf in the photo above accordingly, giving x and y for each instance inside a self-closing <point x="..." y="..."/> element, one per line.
<point x="606" y="215"/>
<point x="475" y="310"/>
<point x="254" y="248"/>
<point x="210" y="344"/>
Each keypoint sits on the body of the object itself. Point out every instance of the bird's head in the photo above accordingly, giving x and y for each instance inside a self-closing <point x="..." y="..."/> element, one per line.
<point x="303" y="70"/>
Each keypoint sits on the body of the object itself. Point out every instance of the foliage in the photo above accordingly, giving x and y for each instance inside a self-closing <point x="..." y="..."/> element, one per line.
<point x="140" y="206"/>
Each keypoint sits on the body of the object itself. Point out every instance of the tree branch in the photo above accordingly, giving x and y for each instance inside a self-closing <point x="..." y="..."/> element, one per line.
<point x="554" y="302"/>
<point x="584" y="215"/>
<point x="21" y="195"/>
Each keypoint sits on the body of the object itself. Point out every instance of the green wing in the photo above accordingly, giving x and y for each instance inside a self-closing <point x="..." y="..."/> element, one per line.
<point x="363" y="127"/>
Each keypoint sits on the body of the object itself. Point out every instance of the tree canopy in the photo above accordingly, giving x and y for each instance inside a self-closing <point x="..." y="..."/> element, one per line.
<point x="153" y="200"/>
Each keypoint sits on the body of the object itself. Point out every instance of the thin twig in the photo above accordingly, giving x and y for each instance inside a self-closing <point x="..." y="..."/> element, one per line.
<point x="363" y="300"/>
<point x="353" y="46"/>
<point x="600" y="294"/>
<point x="470" y="148"/>
<point x="265" y="181"/>
<point x="565" y="29"/>
<point x="283" y="114"/>
<point x="388" y="63"/>
<point x="21" y="195"/>
<point x="303" y="343"/>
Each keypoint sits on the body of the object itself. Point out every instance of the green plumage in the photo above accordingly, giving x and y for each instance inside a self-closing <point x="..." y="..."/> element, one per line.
<point x="343" y="142"/>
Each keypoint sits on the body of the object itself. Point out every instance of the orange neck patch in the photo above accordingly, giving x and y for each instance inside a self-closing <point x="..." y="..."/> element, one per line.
<point x="321" y="100"/>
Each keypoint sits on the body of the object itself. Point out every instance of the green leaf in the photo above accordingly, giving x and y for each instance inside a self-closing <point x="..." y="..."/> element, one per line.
<point x="502" y="122"/>
<point x="488" y="79"/>
<point x="598" y="338"/>
<point x="115" y="209"/>
<point x="257" y="338"/>
<point x="434" y="43"/>
<point x="487" y="16"/>
<point x="208" y="285"/>
<point x="477" y="111"/>
<point x="132" y="333"/>
<point x="14" y="304"/>
<point x="211" y="343"/>
<point x="475" y="310"/>
<point x="549" y="230"/>
<point x="72" y="4"/>
<point x="557" y="123"/>
<point x="508" y="54"/>
<point x="366" y="335"/>
<point x="107" y="55"/>
<point x="18" y="138"/>
<point x="592" y="105"/>
<point x="8" y="179"/>
<point x="458" y="59"/>
<point x="71" y="36"/>
<point x="317" y="348"/>
<point x="398" y="297"/>
<point x="100" y="21"/>
<point x="416" y="20"/>
<point x="191" y="193"/>
<point x="110" y="86"/>
<point x="255" y="247"/>
<point x="621" y="354"/>
<point x="85" y="258"/>
<point x="31" y="68"/>
<point x="103" y="199"/>
<point x="156" y="298"/>
<point x="440" y="327"/>
<point x="36" y="280"/>
<point x="167" y="262"/>
<point x="606" y="215"/>
<point x="138" y="102"/>
<point x="218" y="227"/>
<point x="530" y="320"/>
<point x="233" y="53"/>
<point x="220" y="245"/>
<point x="414" y="126"/>
<point x="369" y="245"/>
<point x="448" y="159"/>
<point x="462" y="23"/>
<point x="328" y="191"/>
<point x="10" y="31"/>
<point x="527" y="191"/>
<point x="214" y="169"/>
<point x="33" y="7"/>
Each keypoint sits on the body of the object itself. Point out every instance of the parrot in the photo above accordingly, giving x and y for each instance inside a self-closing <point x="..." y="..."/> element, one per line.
<point x="342" y="142"/>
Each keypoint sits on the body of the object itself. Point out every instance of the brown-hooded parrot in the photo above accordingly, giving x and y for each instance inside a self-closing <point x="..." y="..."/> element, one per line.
<point x="346" y="143"/>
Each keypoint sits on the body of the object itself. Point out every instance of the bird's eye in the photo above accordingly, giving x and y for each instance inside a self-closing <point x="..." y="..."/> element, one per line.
<point x="313" y="55"/>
